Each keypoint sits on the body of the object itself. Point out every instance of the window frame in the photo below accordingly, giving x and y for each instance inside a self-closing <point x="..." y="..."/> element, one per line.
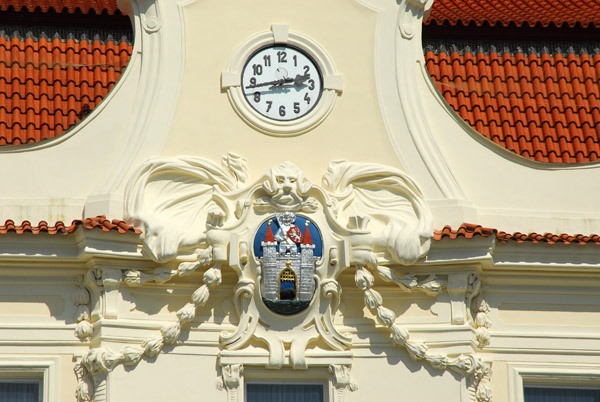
<point x="297" y="381"/>
<point x="32" y="369"/>
<point x="550" y="375"/>
<point x="25" y="378"/>
<point x="261" y="375"/>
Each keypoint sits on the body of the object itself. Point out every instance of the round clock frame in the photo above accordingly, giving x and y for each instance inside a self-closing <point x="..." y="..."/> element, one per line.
<point x="297" y="104"/>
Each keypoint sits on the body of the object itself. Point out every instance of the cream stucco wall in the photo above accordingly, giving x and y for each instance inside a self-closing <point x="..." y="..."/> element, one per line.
<point x="538" y="317"/>
<point x="544" y="304"/>
<point x="206" y="124"/>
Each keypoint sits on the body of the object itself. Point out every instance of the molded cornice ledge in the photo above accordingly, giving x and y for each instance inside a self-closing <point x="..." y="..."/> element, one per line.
<point x="81" y="246"/>
<point x="160" y="44"/>
<point x="399" y="33"/>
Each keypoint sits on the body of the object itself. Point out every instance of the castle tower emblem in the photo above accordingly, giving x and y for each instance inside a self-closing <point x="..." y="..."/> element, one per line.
<point x="288" y="260"/>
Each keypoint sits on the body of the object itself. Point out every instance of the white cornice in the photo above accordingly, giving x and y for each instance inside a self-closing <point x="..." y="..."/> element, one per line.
<point x="86" y="245"/>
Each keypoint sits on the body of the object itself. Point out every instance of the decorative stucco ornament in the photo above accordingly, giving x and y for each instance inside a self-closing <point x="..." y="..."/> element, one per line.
<point x="288" y="240"/>
<point x="287" y="293"/>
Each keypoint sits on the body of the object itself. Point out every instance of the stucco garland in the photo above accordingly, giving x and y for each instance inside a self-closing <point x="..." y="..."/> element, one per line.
<point x="371" y="216"/>
<point x="97" y="362"/>
<point x="465" y="364"/>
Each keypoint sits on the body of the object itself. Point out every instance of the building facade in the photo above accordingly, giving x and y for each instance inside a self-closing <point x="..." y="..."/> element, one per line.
<point x="442" y="184"/>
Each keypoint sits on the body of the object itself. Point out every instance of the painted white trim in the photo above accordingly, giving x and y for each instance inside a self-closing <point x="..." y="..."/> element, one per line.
<point x="568" y="374"/>
<point x="159" y="31"/>
<point x="45" y="368"/>
<point x="323" y="375"/>
<point x="403" y="109"/>
<point x="266" y="377"/>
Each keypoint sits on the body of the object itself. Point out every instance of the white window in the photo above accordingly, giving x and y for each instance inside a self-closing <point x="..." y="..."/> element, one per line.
<point x="544" y="393"/>
<point x="28" y="379"/>
<point x="284" y="392"/>
<point x="554" y="382"/>
<point x="20" y="390"/>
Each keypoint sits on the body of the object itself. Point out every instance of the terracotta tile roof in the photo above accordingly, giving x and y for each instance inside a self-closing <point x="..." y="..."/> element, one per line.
<point x="466" y="230"/>
<point x="549" y="238"/>
<point x="517" y="12"/>
<point x="69" y="6"/>
<point x="545" y="107"/>
<point x="469" y="231"/>
<point x="49" y="85"/>
<point x="99" y="222"/>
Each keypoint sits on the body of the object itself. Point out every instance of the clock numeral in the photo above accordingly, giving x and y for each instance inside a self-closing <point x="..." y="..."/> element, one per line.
<point x="269" y="104"/>
<point x="282" y="110"/>
<point x="281" y="57"/>
<point x="267" y="59"/>
<point x="295" y="61"/>
<point x="307" y="98"/>
<point x="312" y="84"/>
<point x="257" y="69"/>
<point x="256" y="97"/>
<point x="252" y="81"/>
<point x="296" y="107"/>
<point x="306" y="70"/>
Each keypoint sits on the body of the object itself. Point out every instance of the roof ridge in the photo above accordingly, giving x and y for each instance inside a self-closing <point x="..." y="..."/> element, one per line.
<point x="544" y="13"/>
<point x="97" y="7"/>
<point x="59" y="227"/>
<point x="469" y="231"/>
<point x="465" y="230"/>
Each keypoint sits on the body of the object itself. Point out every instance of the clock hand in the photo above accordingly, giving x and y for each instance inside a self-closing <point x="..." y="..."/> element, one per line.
<point x="274" y="83"/>
<point x="299" y="80"/>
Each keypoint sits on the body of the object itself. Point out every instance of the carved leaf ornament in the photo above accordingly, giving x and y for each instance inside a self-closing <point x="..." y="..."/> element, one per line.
<point x="364" y="215"/>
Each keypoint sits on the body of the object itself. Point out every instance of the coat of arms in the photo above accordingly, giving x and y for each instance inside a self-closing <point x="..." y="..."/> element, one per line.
<point x="288" y="259"/>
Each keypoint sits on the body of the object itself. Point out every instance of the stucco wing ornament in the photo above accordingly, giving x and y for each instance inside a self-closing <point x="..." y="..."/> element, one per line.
<point x="171" y="198"/>
<point x="385" y="202"/>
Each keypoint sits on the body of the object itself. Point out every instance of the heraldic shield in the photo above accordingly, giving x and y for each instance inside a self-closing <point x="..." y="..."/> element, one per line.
<point x="288" y="247"/>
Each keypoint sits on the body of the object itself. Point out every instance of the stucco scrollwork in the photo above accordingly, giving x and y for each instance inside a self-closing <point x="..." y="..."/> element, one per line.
<point x="232" y="380"/>
<point x="411" y="15"/>
<point x="194" y="208"/>
<point x="342" y="381"/>
<point x="364" y="215"/>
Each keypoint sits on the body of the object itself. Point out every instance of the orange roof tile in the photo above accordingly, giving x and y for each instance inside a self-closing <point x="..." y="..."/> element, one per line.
<point x="469" y="231"/>
<point x="47" y="86"/>
<point x="69" y="6"/>
<point x="99" y="222"/>
<point x="549" y="238"/>
<point x="466" y="230"/>
<point x="545" y="108"/>
<point x="517" y="12"/>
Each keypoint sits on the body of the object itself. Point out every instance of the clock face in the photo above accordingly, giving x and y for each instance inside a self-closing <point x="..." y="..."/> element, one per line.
<point x="282" y="82"/>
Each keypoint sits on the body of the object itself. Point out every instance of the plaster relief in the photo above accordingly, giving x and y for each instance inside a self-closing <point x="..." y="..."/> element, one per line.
<point x="370" y="214"/>
<point x="288" y="240"/>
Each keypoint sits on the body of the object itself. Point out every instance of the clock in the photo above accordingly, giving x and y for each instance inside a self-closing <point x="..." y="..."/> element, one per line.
<point x="282" y="82"/>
